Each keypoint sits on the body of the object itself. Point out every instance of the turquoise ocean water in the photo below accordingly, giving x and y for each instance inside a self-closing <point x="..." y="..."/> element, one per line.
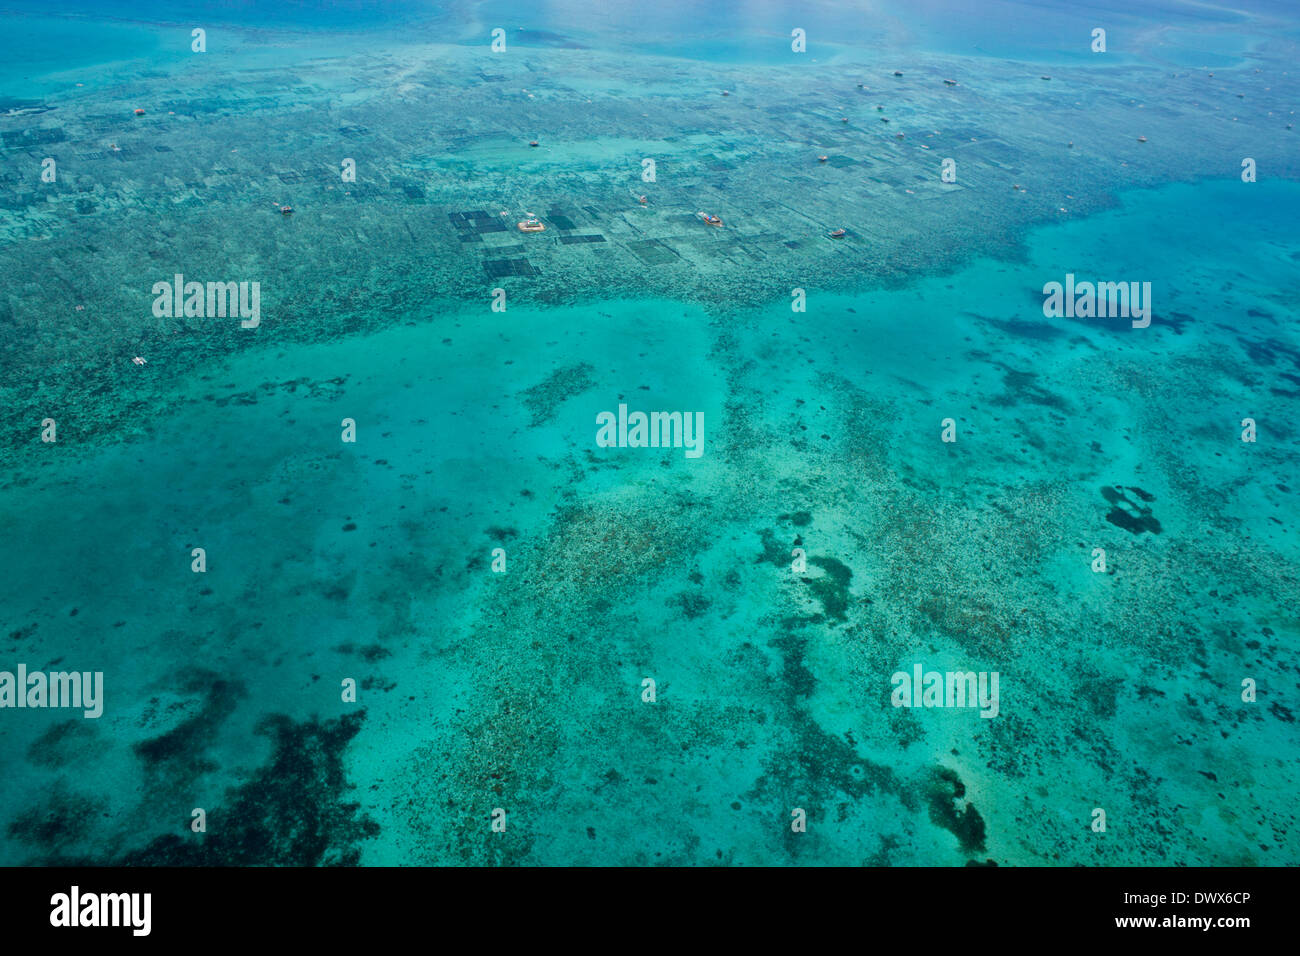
<point x="523" y="689"/>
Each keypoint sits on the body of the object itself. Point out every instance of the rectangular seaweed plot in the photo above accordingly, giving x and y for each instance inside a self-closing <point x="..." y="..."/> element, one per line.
<point x="500" y="268"/>
<point x="570" y="240"/>
<point x="652" y="252"/>
<point x="34" y="136"/>
<point x="476" y="221"/>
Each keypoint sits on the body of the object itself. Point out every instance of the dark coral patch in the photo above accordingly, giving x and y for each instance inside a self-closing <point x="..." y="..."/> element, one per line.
<point x="63" y="743"/>
<point x="692" y="603"/>
<point x="61" y="819"/>
<point x="1024" y="387"/>
<point x="944" y="792"/>
<point x="1128" y="514"/>
<point x="832" y="588"/>
<point x="291" y="813"/>
<point x="796" y="679"/>
<point x="773" y="551"/>
<point x="1015" y="328"/>
<point x="182" y="743"/>
<point x="22" y="632"/>
<point x="544" y="398"/>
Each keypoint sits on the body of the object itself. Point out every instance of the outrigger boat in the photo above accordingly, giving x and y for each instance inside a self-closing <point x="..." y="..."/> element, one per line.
<point x="709" y="220"/>
<point x="531" y="224"/>
<point x="837" y="234"/>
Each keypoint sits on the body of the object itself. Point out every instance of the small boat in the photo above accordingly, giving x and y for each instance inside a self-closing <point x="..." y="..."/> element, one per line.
<point x="822" y="159"/>
<point x="837" y="234"/>
<point x="534" y="142"/>
<point x="709" y="220"/>
<point x="949" y="82"/>
<point x="532" y="224"/>
<point x="1142" y="139"/>
<point x="139" y="112"/>
<point x="138" y="360"/>
<point x="642" y="200"/>
<point x="898" y="73"/>
<point x="286" y="210"/>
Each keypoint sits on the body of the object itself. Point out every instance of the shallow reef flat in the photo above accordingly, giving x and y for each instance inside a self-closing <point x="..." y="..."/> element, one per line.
<point x="440" y="136"/>
<point x="476" y="431"/>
